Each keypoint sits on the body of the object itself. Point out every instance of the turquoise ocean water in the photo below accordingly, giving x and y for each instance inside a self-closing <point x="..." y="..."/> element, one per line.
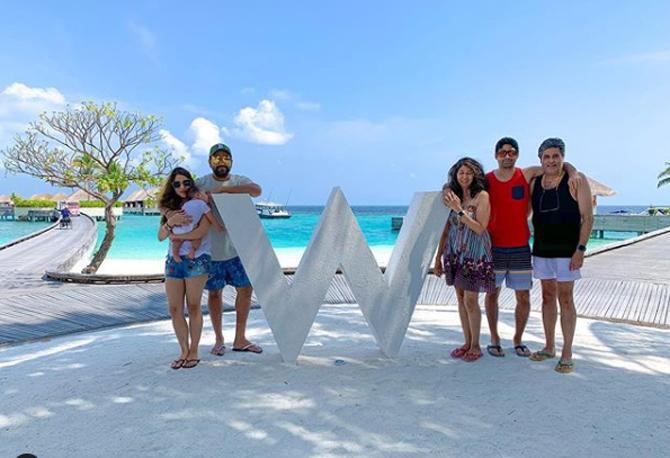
<point x="12" y="230"/>
<point x="136" y="235"/>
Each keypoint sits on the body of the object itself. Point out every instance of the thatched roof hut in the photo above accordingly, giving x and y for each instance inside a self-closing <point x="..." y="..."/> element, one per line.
<point x="43" y="196"/>
<point x="80" y="195"/>
<point x="59" y="197"/>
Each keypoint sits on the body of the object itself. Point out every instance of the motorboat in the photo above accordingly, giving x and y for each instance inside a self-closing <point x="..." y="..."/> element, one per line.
<point x="271" y="210"/>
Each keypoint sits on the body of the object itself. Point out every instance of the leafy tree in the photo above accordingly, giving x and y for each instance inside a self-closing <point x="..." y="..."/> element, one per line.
<point x="664" y="176"/>
<point x="94" y="147"/>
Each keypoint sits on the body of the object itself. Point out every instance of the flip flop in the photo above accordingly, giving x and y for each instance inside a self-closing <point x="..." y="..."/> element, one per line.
<point x="541" y="355"/>
<point x="177" y="364"/>
<point x="190" y="363"/>
<point x="252" y="348"/>
<point x="564" y="367"/>
<point x="472" y="357"/>
<point x="495" y="350"/>
<point x="218" y="350"/>
<point x="522" y="350"/>
<point x="458" y="353"/>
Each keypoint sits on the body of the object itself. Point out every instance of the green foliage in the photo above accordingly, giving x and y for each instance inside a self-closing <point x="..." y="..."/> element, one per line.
<point x="96" y="204"/>
<point x="664" y="176"/>
<point x="95" y="147"/>
<point x="30" y="203"/>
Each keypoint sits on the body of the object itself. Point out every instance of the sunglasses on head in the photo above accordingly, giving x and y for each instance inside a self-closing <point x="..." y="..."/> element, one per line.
<point x="178" y="184"/>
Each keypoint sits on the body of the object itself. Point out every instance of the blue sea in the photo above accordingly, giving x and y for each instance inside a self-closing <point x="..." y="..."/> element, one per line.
<point x="136" y="236"/>
<point x="12" y="230"/>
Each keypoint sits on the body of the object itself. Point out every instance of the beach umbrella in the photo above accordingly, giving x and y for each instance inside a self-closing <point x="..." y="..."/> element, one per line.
<point x="599" y="189"/>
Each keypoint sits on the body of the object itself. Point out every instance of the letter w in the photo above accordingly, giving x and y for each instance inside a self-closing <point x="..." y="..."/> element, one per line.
<point x="386" y="300"/>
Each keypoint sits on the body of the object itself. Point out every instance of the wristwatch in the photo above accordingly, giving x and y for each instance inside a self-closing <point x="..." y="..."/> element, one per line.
<point x="460" y="213"/>
<point x="581" y="248"/>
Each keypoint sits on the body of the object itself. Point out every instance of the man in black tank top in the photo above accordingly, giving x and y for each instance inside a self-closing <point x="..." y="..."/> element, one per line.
<point x="562" y="222"/>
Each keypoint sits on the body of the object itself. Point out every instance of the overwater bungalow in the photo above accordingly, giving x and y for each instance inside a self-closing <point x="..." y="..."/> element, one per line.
<point x="6" y="207"/>
<point x="142" y="202"/>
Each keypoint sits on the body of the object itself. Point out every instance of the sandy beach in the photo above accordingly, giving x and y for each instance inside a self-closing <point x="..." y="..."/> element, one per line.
<point x="288" y="257"/>
<point x="111" y="393"/>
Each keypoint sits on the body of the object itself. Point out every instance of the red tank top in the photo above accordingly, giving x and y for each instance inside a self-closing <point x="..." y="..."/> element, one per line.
<point x="509" y="210"/>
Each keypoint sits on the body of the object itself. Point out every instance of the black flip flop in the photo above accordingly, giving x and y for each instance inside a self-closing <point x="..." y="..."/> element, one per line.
<point x="500" y="353"/>
<point x="522" y="348"/>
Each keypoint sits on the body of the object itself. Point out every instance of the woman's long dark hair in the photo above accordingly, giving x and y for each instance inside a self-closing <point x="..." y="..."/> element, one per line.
<point x="479" y="182"/>
<point x="169" y="199"/>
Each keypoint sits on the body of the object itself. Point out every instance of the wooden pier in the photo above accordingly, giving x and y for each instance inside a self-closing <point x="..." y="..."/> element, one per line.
<point x="629" y="284"/>
<point x="639" y="224"/>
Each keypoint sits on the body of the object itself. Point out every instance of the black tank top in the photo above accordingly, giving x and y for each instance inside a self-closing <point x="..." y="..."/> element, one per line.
<point x="556" y="220"/>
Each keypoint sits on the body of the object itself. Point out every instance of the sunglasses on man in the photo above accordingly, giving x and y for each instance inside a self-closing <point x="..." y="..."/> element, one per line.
<point x="507" y="152"/>
<point x="178" y="184"/>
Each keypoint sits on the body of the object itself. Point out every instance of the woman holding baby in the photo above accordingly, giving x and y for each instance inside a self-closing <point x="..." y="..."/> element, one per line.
<point x="187" y="263"/>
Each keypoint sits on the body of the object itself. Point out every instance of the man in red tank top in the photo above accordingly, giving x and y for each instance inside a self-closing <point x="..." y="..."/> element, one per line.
<point x="510" y="207"/>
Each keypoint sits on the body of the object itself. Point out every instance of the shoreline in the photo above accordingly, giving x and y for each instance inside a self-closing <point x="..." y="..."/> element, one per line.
<point x="288" y="258"/>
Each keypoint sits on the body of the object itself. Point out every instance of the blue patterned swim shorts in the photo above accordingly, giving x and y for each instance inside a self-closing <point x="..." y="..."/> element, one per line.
<point x="187" y="268"/>
<point x="228" y="272"/>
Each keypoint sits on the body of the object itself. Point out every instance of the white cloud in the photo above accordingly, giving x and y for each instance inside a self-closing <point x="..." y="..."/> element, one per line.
<point x="282" y="94"/>
<point x="20" y="91"/>
<point x="178" y="148"/>
<point x="146" y="39"/>
<point x="263" y="124"/>
<point x="21" y="104"/>
<point x="205" y="134"/>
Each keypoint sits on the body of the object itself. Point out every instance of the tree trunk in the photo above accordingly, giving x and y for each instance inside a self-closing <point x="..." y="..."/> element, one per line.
<point x="101" y="254"/>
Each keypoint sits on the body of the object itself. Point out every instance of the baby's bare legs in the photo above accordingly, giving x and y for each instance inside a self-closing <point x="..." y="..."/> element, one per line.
<point x="176" y="246"/>
<point x="195" y="244"/>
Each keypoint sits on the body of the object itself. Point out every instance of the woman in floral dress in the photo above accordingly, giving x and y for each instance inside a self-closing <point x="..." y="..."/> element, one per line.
<point x="464" y="254"/>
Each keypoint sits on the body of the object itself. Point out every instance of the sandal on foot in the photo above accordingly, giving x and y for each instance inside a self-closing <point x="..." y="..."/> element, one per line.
<point x="564" y="366"/>
<point x="522" y="350"/>
<point x="252" y="348"/>
<point x="472" y="356"/>
<point x="190" y="363"/>
<point x="177" y="364"/>
<point x="458" y="353"/>
<point x="495" y="350"/>
<point x="541" y="355"/>
<point x="218" y="350"/>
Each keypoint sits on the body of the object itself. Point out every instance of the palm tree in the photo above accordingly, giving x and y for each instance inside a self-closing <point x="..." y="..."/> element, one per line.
<point x="664" y="176"/>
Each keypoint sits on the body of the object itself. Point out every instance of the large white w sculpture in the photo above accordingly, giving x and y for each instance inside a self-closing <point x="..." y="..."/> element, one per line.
<point x="386" y="300"/>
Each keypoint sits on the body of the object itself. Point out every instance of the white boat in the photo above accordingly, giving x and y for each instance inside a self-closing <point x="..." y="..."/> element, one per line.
<point x="271" y="210"/>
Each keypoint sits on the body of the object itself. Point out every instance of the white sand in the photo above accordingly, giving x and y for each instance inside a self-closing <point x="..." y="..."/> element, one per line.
<point x="111" y="393"/>
<point x="288" y="257"/>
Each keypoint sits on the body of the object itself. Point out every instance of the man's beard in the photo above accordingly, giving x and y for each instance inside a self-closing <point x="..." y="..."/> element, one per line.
<point x="221" y="171"/>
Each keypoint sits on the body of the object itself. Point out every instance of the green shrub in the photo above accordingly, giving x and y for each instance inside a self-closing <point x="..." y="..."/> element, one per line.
<point x="96" y="204"/>
<point x="28" y="203"/>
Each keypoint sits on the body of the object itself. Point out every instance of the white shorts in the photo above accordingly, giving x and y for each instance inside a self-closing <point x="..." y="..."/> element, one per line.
<point x="554" y="269"/>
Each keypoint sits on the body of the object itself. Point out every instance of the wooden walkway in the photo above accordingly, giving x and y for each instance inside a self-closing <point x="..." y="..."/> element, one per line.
<point x="630" y="284"/>
<point x="22" y="265"/>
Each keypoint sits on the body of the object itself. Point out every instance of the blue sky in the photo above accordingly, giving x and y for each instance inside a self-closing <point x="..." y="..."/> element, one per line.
<point x="379" y="98"/>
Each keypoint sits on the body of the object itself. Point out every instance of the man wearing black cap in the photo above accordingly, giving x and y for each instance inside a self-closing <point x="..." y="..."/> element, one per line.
<point x="226" y="267"/>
